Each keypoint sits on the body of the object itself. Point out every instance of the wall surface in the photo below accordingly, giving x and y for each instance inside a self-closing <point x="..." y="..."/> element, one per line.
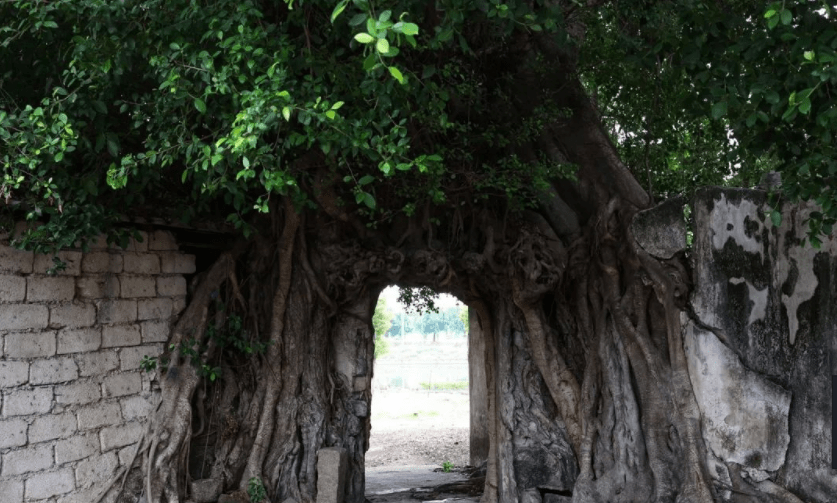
<point x="758" y="345"/>
<point x="74" y="398"/>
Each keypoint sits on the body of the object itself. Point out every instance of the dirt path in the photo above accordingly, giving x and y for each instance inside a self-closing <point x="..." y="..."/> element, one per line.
<point x="413" y="435"/>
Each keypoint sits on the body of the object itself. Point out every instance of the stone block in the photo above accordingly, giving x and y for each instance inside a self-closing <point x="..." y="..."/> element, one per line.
<point x="76" y="447"/>
<point x="137" y="286"/>
<point x="139" y="243"/>
<point x="100" y="414"/>
<point x="141" y="263"/>
<point x="51" y="427"/>
<point x="121" y="335"/>
<point x="14" y="260"/>
<point x="50" y="288"/>
<point x="12" y="433"/>
<point x="46" y="485"/>
<point x="556" y="498"/>
<point x="126" y="454"/>
<point x="23" y="316"/>
<point x="98" y="363"/>
<point x="117" y="311"/>
<point x="155" y="331"/>
<point x="97" y="287"/>
<point x="161" y="240"/>
<point x="12" y="491"/>
<point x="32" y="459"/>
<point x="331" y="474"/>
<point x="25" y="402"/>
<point x="178" y="304"/>
<point x="30" y="345"/>
<point x="53" y="370"/>
<point x="79" y="340"/>
<point x="72" y="315"/>
<point x="12" y="288"/>
<point x="206" y="490"/>
<point x="171" y="286"/>
<point x="96" y="470"/>
<point x="77" y="393"/>
<point x="120" y="436"/>
<point x="130" y="358"/>
<point x="154" y="309"/>
<point x="71" y="260"/>
<point x="177" y="263"/>
<point x="13" y="373"/>
<point x="97" y="262"/>
<point x="137" y="407"/>
<point x="128" y="383"/>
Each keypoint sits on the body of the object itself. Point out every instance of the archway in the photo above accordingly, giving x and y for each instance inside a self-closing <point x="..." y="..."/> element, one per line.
<point x="420" y="414"/>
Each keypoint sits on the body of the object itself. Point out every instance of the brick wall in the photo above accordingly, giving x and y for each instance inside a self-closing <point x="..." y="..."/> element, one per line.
<point x="74" y="399"/>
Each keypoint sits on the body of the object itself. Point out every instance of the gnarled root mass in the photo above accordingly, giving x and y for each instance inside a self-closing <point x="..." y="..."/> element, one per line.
<point x="585" y="368"/>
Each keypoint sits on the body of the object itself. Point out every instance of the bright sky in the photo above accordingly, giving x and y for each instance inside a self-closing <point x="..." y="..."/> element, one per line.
<point x="390" y="293"/>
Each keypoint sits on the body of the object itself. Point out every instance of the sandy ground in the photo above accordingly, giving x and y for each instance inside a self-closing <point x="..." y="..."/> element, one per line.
<point x="413" y="434"/>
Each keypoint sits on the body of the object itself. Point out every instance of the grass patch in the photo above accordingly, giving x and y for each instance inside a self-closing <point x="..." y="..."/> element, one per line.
<point x="444" y="385"/>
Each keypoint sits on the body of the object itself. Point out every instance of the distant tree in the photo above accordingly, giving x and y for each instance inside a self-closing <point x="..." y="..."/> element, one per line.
<point x="381" y="321"/>
<point x="463" y="317"/>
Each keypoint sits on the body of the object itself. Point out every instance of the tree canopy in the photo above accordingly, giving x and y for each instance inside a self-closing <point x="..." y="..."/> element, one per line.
<point x="193" y="109"/>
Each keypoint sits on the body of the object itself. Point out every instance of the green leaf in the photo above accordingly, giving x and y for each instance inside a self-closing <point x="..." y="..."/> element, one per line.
<point x="772" y="22"/>
<point x="337" y="105"/>
<point x="200" y="105"/>
<point x="174" y="46"/>
<point x="369" y="200"/>
<point x="776" y="218"/>
<point x="245" y="161"/>
<point x="410" y="29"/>
<point x="770" y="13"/>
<point x="331" y="114"/>
<point x="382" y="46"/>
<point x="59" y="156"/>
<point x="50" y="24"/>
<point x="364" y="38"/>
<point x="805" y="106"/>
<point x="787" y="17"/>
<point x="719" y="109"/>
<point x="384" y="17"/>
<point x="395" y="72"/>
<point x="809" y="55"/>
<point x="366" y="180"/>
<point x="357" y="20"/>
<point x="113" y="145"/>
<point x="286" y="113"/>
<point x="338" y="9"/>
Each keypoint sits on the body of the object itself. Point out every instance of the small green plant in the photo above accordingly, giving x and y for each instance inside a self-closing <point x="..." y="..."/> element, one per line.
<point x="256" y="490"/>
<point x="447" y="466"/>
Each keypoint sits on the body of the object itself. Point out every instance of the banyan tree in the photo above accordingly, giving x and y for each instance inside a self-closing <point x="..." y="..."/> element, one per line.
<point x="495" y="151"/>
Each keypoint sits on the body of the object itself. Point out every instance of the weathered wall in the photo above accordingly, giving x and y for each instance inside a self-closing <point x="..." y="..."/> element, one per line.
<point x="478" y="391"/>
<point x="74" y="399"/>
<point x="758" y="345"/>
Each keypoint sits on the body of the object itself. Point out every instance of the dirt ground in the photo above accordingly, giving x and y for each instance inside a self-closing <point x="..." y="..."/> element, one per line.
<point x="413" y="435"/>
<point x="418" y="428"/>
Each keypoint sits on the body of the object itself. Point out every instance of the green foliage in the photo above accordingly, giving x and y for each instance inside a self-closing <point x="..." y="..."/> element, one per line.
<point x="447" y="466"/>
<point x="255" y="490"/>
<point x="430" y="323"/>
<point x="216" y="109"/>
<point x="187" y="109"/>
<point x="463" y="317"/>
<point x="381" y="322"/>
<point x="700" y="93"/>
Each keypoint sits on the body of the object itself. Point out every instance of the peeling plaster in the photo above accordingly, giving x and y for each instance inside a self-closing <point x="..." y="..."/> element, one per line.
<point x="745" y="416"/>
<point x="794" y="227"/>
<point x="727" y="221"/>
<point x="758" y="297"/>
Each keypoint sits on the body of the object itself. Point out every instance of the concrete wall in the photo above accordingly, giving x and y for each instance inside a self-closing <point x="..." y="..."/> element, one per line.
<point x="758" y="345"/>
<point x="74" y="399"/>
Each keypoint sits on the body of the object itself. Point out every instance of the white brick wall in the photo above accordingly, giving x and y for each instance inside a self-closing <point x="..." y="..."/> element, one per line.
<point x="73" y="399"/>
